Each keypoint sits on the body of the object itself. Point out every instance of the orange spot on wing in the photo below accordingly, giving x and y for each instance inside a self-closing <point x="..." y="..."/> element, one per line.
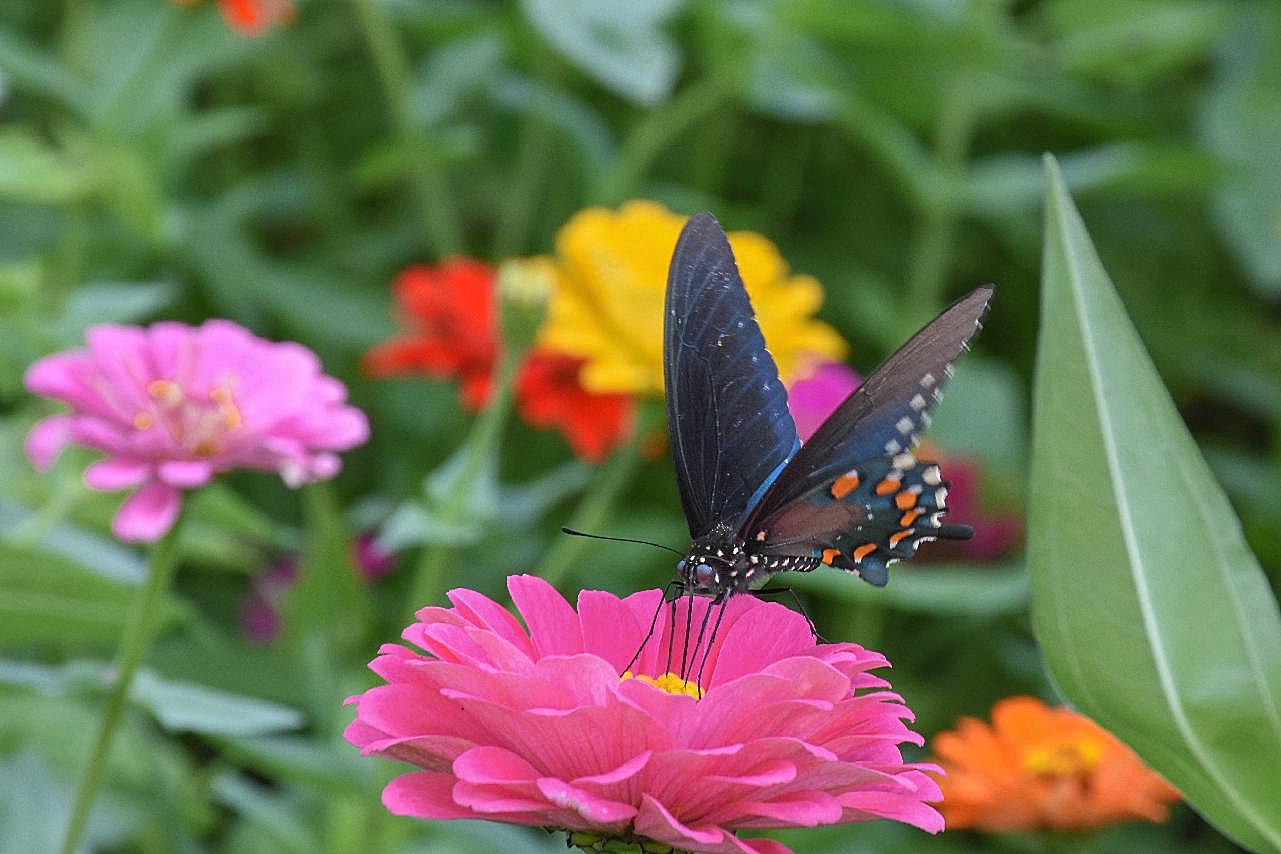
<point x="864" y="550"/>
<point x="909" y="517"/>
<point x="905" y="500"/>
<point x="885" y="487"/>
<point x="895" y="539"/>
<point x="844" y="485"/>
<point x="830" y="555"/>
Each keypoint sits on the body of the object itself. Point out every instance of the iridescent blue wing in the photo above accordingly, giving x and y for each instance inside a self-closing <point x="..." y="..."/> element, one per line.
<point x="727" y="412"/>
<point x="854" y="496"/>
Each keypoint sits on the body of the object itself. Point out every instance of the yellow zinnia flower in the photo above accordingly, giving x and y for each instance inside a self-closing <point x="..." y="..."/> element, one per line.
<point x="607" y="305"/>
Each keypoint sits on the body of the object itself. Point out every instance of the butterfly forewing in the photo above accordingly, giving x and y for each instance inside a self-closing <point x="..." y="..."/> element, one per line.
<point x="727" y="411"/>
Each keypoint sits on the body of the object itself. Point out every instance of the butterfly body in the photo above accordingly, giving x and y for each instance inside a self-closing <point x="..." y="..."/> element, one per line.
<point x="854" y="497"/>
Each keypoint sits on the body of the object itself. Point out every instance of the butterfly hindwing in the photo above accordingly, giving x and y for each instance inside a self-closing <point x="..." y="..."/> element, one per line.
<point x="854" y="495"/>
<point x="727" y="411"/>
<point x="869" y="517"/>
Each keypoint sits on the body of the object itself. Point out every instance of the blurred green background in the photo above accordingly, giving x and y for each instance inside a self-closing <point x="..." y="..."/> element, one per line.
<point x="154" y="163"/>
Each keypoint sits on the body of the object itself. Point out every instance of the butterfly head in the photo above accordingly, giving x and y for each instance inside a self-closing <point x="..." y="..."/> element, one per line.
<point x="715" y="571"/>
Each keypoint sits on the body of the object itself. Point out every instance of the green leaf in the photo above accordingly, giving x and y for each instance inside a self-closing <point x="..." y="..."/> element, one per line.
<point x="1152" y="614"/>
<point x="618" y="42"/>
<point x="1241" y="123"/>
<point x="334" y="768"/>
<point x="188" y="707"/>
<point x="31" y="171"/>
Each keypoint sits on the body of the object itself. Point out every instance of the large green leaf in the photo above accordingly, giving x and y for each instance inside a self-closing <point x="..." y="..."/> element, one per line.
<point x="1153" y="615"/>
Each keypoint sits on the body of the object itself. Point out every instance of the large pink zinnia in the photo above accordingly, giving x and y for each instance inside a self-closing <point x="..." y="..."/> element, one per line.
<point x="535" y="726"/>
<point x="172" y="405"/>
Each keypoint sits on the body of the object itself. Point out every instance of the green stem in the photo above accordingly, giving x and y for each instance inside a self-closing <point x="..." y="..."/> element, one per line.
<point x="477" y="451"/>
<point x="598" y="501"/>
<point x="441" y="219"/>
<point x="936" y="234"/>
<point x="137" y="636"/>
<point x="655" y="132"/>
<point x="536" y="136"/>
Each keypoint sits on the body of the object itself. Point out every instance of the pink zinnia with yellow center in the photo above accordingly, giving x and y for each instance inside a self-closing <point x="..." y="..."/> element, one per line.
<point x="172" y="405"/>
<point x="552" y="724"/>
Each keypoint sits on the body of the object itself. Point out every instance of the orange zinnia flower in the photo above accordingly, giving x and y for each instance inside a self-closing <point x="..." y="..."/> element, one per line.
<point x="1037" y="767"/>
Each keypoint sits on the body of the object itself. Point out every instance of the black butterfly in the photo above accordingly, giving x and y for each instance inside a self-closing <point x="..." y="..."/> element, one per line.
<point x="757" y="501"/>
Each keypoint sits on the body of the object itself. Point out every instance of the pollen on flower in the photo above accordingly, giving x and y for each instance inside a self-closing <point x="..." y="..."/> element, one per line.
<point x="669" y="682"/>
<point x="1066" y="758"/>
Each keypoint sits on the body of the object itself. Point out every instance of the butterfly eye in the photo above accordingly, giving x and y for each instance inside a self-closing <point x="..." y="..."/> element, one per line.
<point x="703" y="575"/>
<point x="680" y="567"/>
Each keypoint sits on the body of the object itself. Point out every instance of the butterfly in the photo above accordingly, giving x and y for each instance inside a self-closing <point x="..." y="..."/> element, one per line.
<point x="757" y="501"/>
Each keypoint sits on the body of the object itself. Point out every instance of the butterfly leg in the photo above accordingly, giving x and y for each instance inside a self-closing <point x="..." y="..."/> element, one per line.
<point x="667" y="597"/>
<point x="720" y="601"/>
<point x="779" y="591"/>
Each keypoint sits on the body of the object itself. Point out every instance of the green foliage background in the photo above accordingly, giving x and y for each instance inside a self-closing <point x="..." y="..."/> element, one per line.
<point x="155" y="164"/>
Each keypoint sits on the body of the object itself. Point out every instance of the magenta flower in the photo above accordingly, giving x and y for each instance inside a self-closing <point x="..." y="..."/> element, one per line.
<point x="535" y="725"/>
<point x="812" y="399"/>
<point x="172" y="405"/>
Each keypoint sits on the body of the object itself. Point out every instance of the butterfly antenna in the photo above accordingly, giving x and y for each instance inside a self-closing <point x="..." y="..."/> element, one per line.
<point x="576" y="533"/>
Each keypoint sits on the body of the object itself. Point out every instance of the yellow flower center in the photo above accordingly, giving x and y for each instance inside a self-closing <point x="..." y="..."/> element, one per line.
<point x="199" y="426"/>
<point x="1064" y="759"/>
<point x="669" y="682"/>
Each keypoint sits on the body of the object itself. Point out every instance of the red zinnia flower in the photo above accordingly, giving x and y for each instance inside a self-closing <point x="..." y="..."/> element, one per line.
<point x="252" y="17"/>
<point x="549" y="394"/>
<point x="450" y="317"/>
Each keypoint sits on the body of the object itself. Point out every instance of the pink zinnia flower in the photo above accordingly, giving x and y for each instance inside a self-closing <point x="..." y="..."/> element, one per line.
<point x="812" y="399"/>
<point x="536" y="726"/>
<point x="172" y="405"/>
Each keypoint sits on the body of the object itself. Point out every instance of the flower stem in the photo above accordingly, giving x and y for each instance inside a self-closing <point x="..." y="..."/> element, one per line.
<point x="439" y="216"/>
<point x="536" y="137"/>
<point x="597" y="503"/>
<point x="655" y="132"/>
<point x="478" y="450"/>
<point x="137" y="636"/>
<point x="931" y="255"/>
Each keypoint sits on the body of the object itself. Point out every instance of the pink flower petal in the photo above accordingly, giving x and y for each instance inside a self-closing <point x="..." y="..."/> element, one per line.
<point x="493" y="765"/>
<point x="656" y="822"/>
<point x="424" y="794"/>
<point x="553" y="625"/>
<point x="47" y="439"/>
<point x="599" y="812"/>
<point x="185" y="474"/>
<point x="148" y="514"/>
<point x="116" y="473"/>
